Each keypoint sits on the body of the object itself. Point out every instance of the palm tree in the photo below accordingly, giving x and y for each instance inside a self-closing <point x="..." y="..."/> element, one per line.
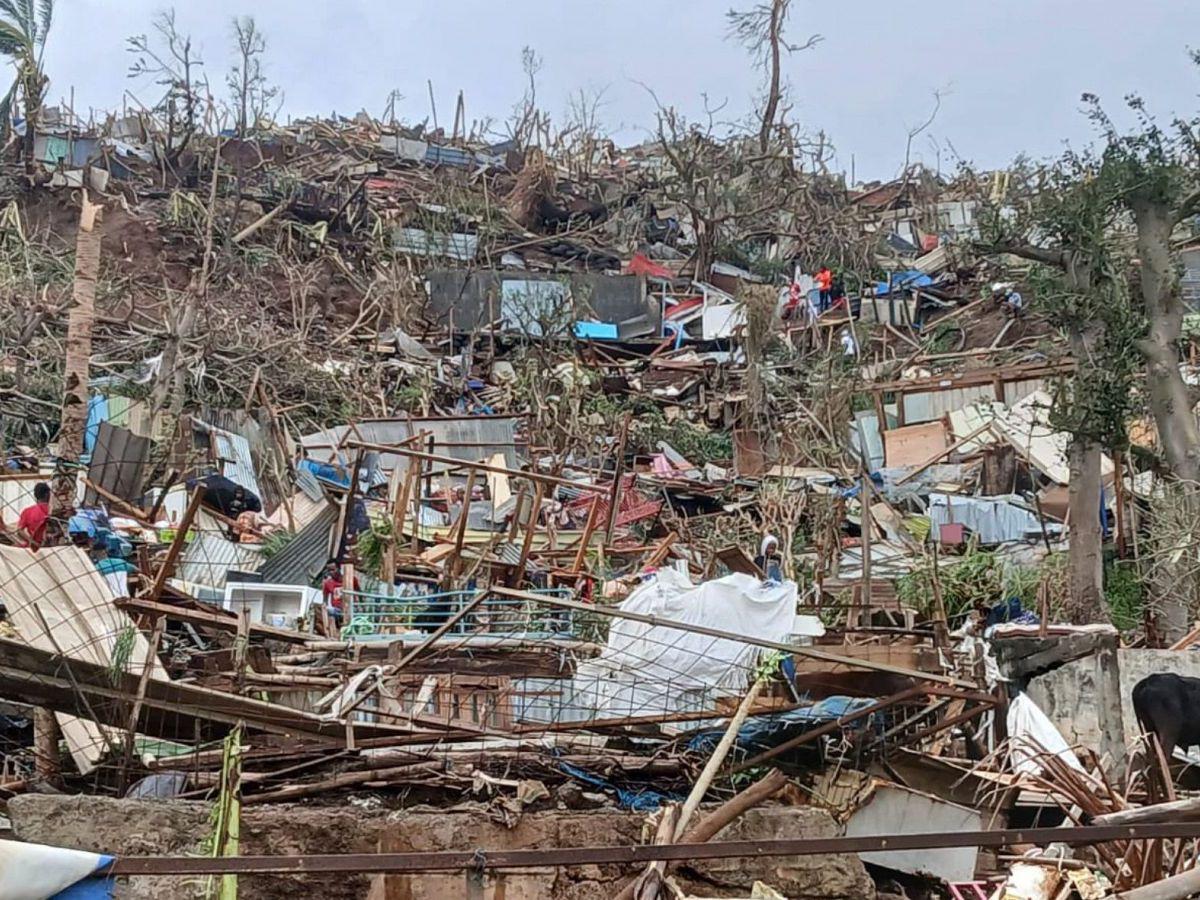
<point x="23" y="32"/>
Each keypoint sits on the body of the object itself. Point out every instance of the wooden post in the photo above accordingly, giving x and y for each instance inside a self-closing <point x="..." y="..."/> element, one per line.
<point x="47" y="761"/>
<point x="241" y="650"/>
<point x="135" y="712"/>
<point x="168" y="564"/>
<point x="619" y="470"/>
<point x="864" y="497"/>
<point x="588" y="528"/>
<point x="1119" y="490"/>
<point x="454" y="564"/>
<point x="530" y="528"/>
<point x="941" y="626"/>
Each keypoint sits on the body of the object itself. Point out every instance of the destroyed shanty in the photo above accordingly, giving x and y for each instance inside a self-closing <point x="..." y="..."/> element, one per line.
<point x="390" y="510"/>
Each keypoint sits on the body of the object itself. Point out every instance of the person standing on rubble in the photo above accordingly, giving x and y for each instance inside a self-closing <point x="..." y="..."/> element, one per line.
<point x="31" y="525"/>
<point x="824" y="279"/>
<point x="768" y="560"/>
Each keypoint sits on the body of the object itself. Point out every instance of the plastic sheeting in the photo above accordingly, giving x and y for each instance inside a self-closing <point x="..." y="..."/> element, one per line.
<point x="1033" y="734"/>
<point x="653" y="669"/>
<point x="38" y="872"/>
<point x="994" y="519"/>
<point x="764" y="732"/>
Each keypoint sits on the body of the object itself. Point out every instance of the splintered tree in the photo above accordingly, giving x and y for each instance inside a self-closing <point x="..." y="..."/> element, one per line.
<point x="760" y="30"/>
<point x="80" y="323"/>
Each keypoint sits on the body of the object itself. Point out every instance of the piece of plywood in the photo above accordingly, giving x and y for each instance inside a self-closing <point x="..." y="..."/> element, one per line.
<point x="913" y="444"/>
<point x="59" y="603"/>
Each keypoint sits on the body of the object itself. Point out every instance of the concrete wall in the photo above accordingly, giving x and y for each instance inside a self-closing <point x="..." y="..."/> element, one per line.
<point x="1073" y="698"/>
<point x="611" y="298"/>
<point x="157" y="827"/>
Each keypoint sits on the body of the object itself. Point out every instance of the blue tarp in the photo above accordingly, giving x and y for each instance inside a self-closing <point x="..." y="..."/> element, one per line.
<point x="764" y="732"/>
<point x="97" y="413"/>
<point x="642" y="800"/>
<point x="605" y="331"/>
<point x="913" y="278"/>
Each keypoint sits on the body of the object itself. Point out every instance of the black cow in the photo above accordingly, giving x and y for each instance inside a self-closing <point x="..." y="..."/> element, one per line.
<point x="1168" y="706"/>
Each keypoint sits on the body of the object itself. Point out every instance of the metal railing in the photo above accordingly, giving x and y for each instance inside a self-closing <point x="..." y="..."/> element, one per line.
<point x="379" y="617"/>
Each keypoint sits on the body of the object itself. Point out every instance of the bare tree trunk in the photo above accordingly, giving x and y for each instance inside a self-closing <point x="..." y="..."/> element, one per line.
<point x="1083" y="520"/>
<point x="1169" y="398"/>
<point x="47" y="759"/>
<point x="80" y="322"/>
<point x="772" y="104"/>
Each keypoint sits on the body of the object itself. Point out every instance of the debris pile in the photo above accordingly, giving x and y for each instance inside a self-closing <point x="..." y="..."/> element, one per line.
<point x="419" y="470"/>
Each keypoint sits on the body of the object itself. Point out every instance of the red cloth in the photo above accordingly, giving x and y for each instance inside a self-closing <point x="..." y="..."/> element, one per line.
<point x="644" y="265"/>
<point x="824" y="279"/>
<point x="33" y="519"/>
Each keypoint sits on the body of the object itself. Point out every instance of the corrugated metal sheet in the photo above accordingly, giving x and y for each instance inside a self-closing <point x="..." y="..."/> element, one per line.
<point x="865" y="435"/>
<point x="926" y="407"/>
<point x="16" y="494"/>
<point x="301" y="560"/>
<point x="236" y="460"/>
<point x="118" y="460"/>
<point x="209" y="557"/>
<point x="419" y="242"/>
<point x="487" y="435"/>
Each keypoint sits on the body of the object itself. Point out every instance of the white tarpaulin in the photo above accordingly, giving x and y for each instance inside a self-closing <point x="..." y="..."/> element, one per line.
<point x="655" y="669"/>
<point x="38" y="872"/>
<point x="1032" y="734"/>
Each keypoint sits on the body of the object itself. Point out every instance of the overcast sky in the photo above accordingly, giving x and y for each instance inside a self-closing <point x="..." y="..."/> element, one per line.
<point x="1012" y="71"/>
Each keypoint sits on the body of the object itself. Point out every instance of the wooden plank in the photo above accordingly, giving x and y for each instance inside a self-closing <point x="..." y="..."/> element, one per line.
<point x="168" y="563"/>
<point x="910" y="445"/>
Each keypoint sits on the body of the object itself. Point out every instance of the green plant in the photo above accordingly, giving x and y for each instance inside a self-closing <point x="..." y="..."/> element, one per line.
<point x="1123" y="595"/>
<point x="373" y="543"/>
<point x="978" y="578"/>
<point x="122" y="651"/>
<point x="275" y="542"/>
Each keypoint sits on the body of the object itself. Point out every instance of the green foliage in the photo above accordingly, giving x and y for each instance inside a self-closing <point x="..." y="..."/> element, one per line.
<point x="649" y="426"/>
<point x="122" y="651"/>
<point x="274" y="542"/>
<point x="1123" y="595"/>
<point x="372" y="543"/>
<point x="978" y="578"/>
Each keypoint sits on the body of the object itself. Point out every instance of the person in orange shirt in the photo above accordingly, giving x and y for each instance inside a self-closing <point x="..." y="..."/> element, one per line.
<point x="824" y="279"/>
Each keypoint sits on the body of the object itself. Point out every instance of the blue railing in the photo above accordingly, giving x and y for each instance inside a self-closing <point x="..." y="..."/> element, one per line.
<point x="377" y="617"/>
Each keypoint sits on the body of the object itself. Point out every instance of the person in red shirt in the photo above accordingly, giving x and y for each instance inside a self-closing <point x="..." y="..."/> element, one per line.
<point x="31" y="526"/>
<point x="824" y="279"/>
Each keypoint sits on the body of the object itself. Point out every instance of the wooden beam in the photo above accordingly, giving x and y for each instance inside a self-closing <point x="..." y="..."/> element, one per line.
<point x="530" y="527"/>
<point x="466" y="609"/>
<point x="168" y="563"/>
<point x="586" y="539"/>
<point x="482" y="467"/>
<point x="454" y="564"/>
<point x="139" y="606"/>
